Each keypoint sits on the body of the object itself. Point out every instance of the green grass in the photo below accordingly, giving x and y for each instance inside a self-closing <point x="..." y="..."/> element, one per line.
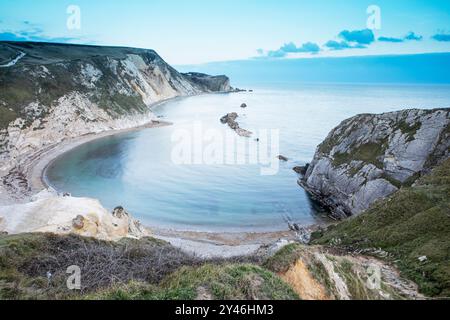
<point x="223" y="282"/>
<point x="409" y="130"/>
<point x="414" y="222"/>
<point x="6" y="116"/>
<point x="146" y="269"/>
<point x="284" y="258"/>
<point x="368" y="153"/>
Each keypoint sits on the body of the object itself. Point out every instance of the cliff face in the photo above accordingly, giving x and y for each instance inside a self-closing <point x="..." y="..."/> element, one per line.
<point x="49" y="92"/>
<point x="369" y="157"/>
<point x="207" y="82"/>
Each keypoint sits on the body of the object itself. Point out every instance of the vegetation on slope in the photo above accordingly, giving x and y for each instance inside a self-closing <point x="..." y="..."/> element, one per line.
<point x="316" y="273"/>
<point x="33" y="266"/>
<point x="207" y="282"/>
<point x="412" y="224"/>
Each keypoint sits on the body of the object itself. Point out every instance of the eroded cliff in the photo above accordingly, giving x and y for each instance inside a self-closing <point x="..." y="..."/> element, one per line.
<point x="369" y="157"/>
<point x="54" y="92"/>
<point x="50" y="92"/>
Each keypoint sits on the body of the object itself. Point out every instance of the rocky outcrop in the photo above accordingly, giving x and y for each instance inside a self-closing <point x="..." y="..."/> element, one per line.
<point x="368" y="157"/>
<point x="209" y="83"/>
<point x="230" y="119"/>
<point x="60" y="91"/>
<point x="317" y="273"/>
<point x="64" y="215"/>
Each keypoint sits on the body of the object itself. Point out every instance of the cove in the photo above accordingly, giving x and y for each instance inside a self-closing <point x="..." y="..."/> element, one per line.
<point x="135" y="169"/>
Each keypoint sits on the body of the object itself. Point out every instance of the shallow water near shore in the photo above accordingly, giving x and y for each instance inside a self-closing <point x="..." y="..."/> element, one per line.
<point x="136" y="169"/>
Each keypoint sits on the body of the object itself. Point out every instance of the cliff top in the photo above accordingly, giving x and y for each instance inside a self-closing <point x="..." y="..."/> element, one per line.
<point x="46" y="53"/>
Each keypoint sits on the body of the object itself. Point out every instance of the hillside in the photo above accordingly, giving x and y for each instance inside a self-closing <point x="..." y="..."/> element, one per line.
<point x="33" y="266"/>
<point x="52" y="92"/>
<point x="411" y="229"/>
<point x="371" y="156"/>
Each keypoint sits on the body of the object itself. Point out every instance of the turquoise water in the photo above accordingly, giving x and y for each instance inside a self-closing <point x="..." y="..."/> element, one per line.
<point x="136" y="169"/>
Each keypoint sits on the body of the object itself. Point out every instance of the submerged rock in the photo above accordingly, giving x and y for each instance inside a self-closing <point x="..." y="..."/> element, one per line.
<point x="369" y="157"/>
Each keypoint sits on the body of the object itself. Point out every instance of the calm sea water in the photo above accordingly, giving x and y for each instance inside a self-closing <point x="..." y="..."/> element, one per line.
<point x="136" y="170"/>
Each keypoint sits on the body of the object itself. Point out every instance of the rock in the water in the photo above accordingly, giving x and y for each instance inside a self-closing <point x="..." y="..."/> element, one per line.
<point x="230" y="119"/>
<point x="301" y="169"/>
<point x="282" y="158"/>
<point x="369" y="157"/>
<point x="244" y="105"/>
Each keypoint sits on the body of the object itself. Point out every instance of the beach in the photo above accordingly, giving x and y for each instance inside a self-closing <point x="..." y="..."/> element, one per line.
<point x="202" y="244"/>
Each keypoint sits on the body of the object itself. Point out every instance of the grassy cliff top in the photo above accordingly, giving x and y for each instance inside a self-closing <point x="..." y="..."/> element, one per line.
<point x="42" y="53"/>
<point x="413" y="223"/>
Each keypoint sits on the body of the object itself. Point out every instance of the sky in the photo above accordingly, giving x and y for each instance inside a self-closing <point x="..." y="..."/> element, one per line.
<point x="201" y="31"/>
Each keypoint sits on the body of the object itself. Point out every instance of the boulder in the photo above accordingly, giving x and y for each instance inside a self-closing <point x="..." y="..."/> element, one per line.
<point x="119" y="212"/>
<point x="301" y="169"/>
<point x="244" y="105"/>
<point x="78" y="222"/>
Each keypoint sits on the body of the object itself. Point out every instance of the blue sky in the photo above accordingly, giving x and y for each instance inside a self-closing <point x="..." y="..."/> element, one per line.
<point x="198" y="31"/>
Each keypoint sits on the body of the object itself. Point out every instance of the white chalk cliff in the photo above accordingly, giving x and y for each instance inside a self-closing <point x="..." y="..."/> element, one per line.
<point x="56" y="92"/>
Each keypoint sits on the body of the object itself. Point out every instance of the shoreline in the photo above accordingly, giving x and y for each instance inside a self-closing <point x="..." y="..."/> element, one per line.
<point x="223" y="244"/>
<point x="201" y="243"/>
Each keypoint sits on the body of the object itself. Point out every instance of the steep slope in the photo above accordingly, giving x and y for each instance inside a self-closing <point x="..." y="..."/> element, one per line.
<point x="146" y="269"/>
<point x="150" y="269"/>
<point x="410" y="228"/>
<point x="369" y="157"/>
<point x="318" y="273"/>
<point x="49" y="92"/>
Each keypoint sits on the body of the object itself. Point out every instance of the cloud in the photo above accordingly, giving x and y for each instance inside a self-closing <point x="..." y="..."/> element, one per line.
<point x="32" y="36"/>
<point x="283" y="51"/>
<point x="342" y="45"/>
<point x="362" y="37"/>
<point x="357" y="39"/>
<point x="389" y="39"/>
<point x="442" y="37"/>
<point x="31" y="32"/>
<point x="308" y="47"/>
<point x="276" y="54"/>
<point x="9" y="36"/>
<point x="413" y="37"/>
